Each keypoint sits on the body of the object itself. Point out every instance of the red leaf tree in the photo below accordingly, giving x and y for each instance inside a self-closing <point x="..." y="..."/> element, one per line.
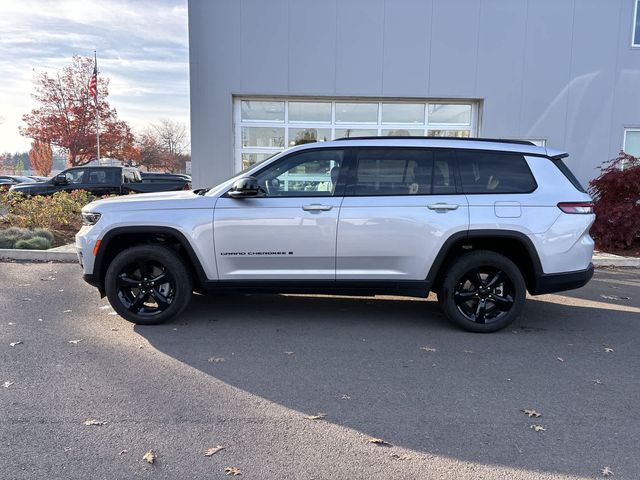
<point x="616" y="194"/>
<point x="41" y="157"/>
<point x="66" y="114"/>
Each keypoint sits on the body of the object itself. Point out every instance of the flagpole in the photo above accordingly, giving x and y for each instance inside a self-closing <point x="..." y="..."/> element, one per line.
<point x="95" y="59"/>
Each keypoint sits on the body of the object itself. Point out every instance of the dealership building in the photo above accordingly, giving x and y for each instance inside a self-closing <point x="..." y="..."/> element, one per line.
<point x="270" y="74"/>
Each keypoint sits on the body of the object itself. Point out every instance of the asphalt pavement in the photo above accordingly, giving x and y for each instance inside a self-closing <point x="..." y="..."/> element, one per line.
<point x="245" y="372"/>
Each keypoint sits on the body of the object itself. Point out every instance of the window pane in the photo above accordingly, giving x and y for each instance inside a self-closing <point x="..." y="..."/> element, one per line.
<point x="632" y="143"/>
<point x="494" y="173"/>
<point x="262" y="137"/>
<point x="449" y="133"/>
<point x="356" y="112"/>
<point x="256" y="110"/>
<point x="449" y="113"/>
<point x="402" y="132"/>
<point x="443" y="178"/>
<point x="309" y="112"/>
<point x="298" y="136"/>
<point x="403" y="113"/>
<point x="313" y="173"/>
<point x="394" y="172"/>
<point x="356" y="132"/>
<point x="249" y="159"/>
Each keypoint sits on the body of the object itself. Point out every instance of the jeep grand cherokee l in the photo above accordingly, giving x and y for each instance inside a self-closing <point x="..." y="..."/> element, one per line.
<point x="480" y="222"/>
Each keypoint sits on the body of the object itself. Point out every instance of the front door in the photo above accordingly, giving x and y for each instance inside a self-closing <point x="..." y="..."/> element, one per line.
<point x="289" y="232"/>
<point x="399" y="208"/>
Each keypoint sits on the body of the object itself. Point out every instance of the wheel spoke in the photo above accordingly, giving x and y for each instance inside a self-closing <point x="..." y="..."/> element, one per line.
<point x="476" y="278"/>
<point x="123" y="280"/>
<point x="163" y="302"/>
<point x="503" y="303"/>
<point x="496" y="279"/>
<point x="464" y="296"/>
<point x="145" y="269"/>
<point x="162" y="278"/>
<point x="480" y="311"/>
<point x="138" y="302"/>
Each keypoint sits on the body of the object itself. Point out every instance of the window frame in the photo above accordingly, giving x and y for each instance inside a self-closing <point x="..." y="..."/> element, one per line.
<point x="634" y="25"/>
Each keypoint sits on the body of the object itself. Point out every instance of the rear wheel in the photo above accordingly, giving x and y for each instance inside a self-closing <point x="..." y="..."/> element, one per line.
<point x="482" y="291"/>
<point x="148" y="284"/>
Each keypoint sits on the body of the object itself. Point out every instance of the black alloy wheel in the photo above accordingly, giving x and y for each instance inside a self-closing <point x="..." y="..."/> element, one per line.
<point x="482" y="291"/>
<point x="148" y="284"/>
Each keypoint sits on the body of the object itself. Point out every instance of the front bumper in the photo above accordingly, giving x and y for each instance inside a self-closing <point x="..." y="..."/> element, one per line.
<point x="559" y="282"/>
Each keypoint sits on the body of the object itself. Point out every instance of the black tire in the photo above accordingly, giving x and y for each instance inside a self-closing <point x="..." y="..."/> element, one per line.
<point x="148" y="284"/>
<point x="482" y="291"/>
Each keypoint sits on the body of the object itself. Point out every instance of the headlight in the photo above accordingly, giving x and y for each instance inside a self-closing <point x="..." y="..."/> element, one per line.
<point x="90" y="218"/>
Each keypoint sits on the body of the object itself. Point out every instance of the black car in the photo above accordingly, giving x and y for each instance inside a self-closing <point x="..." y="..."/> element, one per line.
<point x="6" y="181"/>
<point x="99" y="181"/>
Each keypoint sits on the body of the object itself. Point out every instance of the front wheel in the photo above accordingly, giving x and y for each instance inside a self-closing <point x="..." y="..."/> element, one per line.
<point x="482" y="291"/>
<point x="148" y="284"/>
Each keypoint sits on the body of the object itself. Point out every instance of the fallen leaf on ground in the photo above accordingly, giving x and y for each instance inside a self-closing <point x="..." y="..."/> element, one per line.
<point x="379" y="442"/>
<point x="560" y="359"/>
<point x="212" y="451"/>
<point x="346" y="397"/>
<point x="26" y="299"/>
<point x="288" y="353"/>
<point x="67" y="449"/>
<point x="318" y="416"/>
<point x="608" y="349"/>
<point x="67" y="311"/>
<point x="232" y="471"/>
<point x="531" y="413"/>
<point x="122" y="452"/>
<point x="597" y="381"/>
<point x="114" y="329"/>
<point x="149" y="457"/>
<point x="75" y="342"/>
<point x="428" y="349"/>
<point x="606" y="472"/>
<point x="397" y="456"/>
<point x="140" y="347"/>
<point x="538" y="428"/>
<point x="94" y="422"/>
<point x="215" y="359"/>
<point x="61" y="289"/>
<point x="614" y="297"/>
<point x="13" y="344"/>
<point x="7" y="384"/>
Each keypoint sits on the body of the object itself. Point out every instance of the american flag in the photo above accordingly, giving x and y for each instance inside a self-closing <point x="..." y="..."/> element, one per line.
<point x="93" y="83"/>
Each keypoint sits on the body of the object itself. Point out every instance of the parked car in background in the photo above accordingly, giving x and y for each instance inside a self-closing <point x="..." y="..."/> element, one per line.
<point x="38" y="178"/>
<point x="99" y="181"/>
<point x="7" y="181"/>
<point x="155" y="177"/>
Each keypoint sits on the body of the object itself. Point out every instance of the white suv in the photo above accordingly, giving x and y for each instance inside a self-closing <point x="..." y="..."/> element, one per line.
<point x="477" y="221"/>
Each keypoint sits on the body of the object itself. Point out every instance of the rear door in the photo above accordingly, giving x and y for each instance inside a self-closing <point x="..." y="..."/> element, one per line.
<point x="400" y="207"/>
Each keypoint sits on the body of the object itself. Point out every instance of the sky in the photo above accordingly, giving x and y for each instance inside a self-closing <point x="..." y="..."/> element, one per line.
<point x="142" y="47"/>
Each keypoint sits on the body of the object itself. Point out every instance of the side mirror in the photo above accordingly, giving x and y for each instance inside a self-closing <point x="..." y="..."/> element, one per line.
<point x="60" y="179"/>
<point x="245" y="187"/>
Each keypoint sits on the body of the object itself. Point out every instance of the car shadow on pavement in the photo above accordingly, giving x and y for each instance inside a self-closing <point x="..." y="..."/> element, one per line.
<point x="396" y="369"/>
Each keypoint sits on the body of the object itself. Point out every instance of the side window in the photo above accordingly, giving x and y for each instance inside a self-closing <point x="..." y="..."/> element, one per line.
<point x="307" y="174"/>
<point x="96" y="176"/>
<point x="491" y="172"/>
<point x="76" y="176"/>
<point x="389" y="171"/>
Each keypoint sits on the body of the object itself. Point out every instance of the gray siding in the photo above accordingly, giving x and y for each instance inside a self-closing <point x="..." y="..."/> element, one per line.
<point x="562" y="70"/>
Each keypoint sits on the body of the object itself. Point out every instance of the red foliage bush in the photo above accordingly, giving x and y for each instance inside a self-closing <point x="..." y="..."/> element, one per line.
<point x="615" y="193"/>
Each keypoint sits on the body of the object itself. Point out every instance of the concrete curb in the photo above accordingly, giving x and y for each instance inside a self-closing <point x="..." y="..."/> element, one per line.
<point x="609" y="260"/>
<point x="51" y="255"/>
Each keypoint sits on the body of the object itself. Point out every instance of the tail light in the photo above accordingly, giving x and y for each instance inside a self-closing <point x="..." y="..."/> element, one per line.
<point x="576" y="207"/>
<point x="186" y="187"/>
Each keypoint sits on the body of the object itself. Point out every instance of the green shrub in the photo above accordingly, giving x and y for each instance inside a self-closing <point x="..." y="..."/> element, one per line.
<point x="34" y="243"/>
<point x="40" y="238"/>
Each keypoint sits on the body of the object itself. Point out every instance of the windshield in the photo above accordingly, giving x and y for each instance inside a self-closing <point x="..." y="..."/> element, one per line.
<point x="238" y="174"/>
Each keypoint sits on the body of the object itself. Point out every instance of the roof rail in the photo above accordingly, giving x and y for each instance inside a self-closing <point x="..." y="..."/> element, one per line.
<point x="471" y="139"/>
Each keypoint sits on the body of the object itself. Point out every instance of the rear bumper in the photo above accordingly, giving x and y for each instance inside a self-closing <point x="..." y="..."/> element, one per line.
<point x="558" y="282"/>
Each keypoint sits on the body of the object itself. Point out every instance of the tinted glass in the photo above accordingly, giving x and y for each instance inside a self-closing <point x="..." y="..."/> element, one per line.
<point x="307" y="174"/>
<point x="100" y="176"/>
<point x="394" y="172"/>
<point x="490" y="172"/>
<point x="444" y="182"/>
<point x="76" y="176"/>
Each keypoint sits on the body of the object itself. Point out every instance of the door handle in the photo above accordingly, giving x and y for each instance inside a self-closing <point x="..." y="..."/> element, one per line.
<point x="442" y="206"/>
<point x="316" y="207"/>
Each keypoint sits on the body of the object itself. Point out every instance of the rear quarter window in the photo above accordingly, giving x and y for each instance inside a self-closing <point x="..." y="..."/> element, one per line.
<point x="494" y="172"/>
